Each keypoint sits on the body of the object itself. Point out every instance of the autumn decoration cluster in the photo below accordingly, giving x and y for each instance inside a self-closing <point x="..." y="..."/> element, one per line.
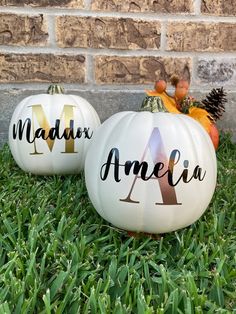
<point x="143" y="170"/>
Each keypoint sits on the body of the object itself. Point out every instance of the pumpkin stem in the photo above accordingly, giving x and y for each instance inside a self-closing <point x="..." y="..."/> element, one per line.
<point x="55" y="89"/>
<point x="153" y="104"/>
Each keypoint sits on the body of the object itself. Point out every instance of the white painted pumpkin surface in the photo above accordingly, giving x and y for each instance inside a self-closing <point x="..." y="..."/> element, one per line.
<point x="52" y="154"/>
<point x="176" y="186"/>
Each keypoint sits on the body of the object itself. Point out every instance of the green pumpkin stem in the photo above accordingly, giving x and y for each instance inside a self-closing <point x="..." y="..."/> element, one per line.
<point x="55" y="89"/>
<point x="153" y="104"/>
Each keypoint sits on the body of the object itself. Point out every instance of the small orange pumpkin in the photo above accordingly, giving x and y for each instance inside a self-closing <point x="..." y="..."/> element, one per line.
<point x="214" y="135"/>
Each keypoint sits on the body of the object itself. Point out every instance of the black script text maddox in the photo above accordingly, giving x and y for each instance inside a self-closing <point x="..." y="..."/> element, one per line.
<point x="48" y="133"/>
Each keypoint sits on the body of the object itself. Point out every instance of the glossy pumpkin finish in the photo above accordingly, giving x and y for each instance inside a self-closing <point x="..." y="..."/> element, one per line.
<point x="150" y="172"/>
<point x="50" y="134"/>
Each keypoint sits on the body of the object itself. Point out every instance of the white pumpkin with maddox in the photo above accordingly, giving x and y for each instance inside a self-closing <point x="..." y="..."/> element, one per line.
<point x="150" y="172"/>
<point x="50" y="133"/>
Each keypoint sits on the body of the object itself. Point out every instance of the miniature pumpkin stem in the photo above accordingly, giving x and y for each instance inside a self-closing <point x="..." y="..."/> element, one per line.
<point x="153" y="104"/>
<point x="55" y="89"/>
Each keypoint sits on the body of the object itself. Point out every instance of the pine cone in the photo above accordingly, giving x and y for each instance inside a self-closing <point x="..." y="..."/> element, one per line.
<point x="214" y="103"/>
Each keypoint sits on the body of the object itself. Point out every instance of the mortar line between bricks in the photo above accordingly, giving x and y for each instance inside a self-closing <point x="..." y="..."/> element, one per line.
<point x="135" y="15"/>
<point x="52" y="32"/>
<point x="87" y="4"/>
<point x="194" y="71"/>
<point x="197" y="7"/>
<point x="163" y="43"/>
<point x="113" y="52"/>
<point x="16" y="88"/>
<point x="90" y="79"/>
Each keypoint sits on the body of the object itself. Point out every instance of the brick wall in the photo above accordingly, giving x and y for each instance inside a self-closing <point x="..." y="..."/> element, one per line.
<point x="105" y="49"/>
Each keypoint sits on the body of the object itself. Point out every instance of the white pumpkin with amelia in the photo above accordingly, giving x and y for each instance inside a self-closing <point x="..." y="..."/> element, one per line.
<point x="150" y="172"/>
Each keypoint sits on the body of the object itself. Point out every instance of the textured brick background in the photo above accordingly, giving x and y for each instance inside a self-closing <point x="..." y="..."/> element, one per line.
<point x="111" y="50"/>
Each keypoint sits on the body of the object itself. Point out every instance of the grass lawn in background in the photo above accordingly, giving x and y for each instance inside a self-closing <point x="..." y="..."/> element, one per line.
<point x="58" y="256"/>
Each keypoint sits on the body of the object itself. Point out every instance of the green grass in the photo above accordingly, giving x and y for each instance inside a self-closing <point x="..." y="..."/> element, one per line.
<point x="58" y="256"/>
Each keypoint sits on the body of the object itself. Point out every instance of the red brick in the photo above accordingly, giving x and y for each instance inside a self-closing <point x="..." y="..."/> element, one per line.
<point x="103" y="32"/>
<point x="23" y="30"/>
<point x="219" y="7"/>
<point x="78" y="4"/>
<point x="193" y="36"/>
<point x="42" y="68"/>
<point x="158" y="6"/>
<point x="139" y="70"/>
